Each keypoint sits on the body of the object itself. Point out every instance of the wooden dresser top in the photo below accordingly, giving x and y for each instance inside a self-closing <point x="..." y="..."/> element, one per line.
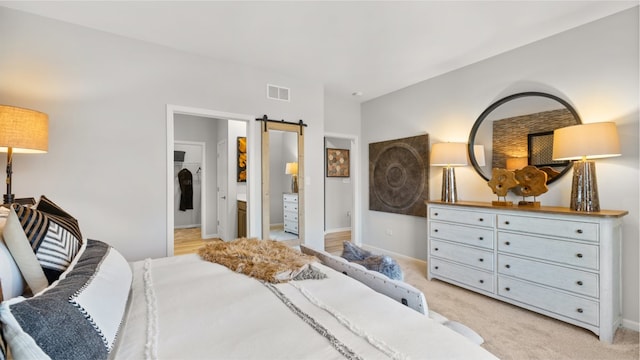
<point x="541" y="209"/>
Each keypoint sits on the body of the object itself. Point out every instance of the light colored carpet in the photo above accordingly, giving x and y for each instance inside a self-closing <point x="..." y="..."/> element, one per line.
<point x="514" y="333"/>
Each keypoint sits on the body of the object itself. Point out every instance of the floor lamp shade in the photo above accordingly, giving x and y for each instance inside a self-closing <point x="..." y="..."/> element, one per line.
<point x="449" y="155"/>
<point x="583" y="143"/>
<point x="21" y="131"/>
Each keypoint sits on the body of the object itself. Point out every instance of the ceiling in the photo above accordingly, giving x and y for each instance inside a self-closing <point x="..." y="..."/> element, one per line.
<point x="372" y="47"/>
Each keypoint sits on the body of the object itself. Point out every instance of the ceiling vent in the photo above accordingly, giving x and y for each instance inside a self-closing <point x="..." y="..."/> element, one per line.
<point x="275" y="92"/>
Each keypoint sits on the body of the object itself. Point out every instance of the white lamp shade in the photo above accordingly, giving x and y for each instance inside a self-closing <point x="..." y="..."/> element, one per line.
<point x="589" y="141"/>
<point x="23" y="130"/>
<point x="449" y="154"/>
<point x="291" y="168"/>
<point x="478" y="153"/>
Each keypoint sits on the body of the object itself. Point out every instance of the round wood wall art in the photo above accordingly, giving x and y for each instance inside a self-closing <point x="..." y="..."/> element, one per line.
<point x="398" y="175"/>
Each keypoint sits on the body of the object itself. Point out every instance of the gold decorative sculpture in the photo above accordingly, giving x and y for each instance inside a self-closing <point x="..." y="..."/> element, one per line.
<point x="501" y="181"/>
<point x="532" y="182"/>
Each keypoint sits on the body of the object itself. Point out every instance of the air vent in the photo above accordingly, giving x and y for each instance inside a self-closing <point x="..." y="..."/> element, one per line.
<point x="275" y="92"/>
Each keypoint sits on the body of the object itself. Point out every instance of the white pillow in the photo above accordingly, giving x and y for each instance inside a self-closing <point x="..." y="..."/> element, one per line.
<point x="10" y="276"/>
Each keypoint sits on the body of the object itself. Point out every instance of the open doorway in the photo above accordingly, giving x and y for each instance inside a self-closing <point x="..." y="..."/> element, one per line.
<point x="188" y="126"/>
<point x="341" y="218"/>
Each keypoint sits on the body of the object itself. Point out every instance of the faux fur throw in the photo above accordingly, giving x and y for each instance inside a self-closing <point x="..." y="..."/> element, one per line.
<point x="266" y="260"/>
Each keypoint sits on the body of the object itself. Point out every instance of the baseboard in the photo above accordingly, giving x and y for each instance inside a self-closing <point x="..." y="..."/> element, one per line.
<point x="211" y="236"/>
<point x="631" y="325"/>
<point x="187" y="226"/>
<point x="377" y="250"/>
<point x="331" y="231"/>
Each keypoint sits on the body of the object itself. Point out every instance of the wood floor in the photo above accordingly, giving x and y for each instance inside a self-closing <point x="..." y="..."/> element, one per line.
<point x="187" y="241"/>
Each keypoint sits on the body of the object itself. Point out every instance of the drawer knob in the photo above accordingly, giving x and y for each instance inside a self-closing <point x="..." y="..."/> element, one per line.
<point x="481" y="259"/>
<point x="481" y="219"/>
<point x="579" y="282"/>
<point x="508" y="266"/>
<point x="579" y="255"/>
<point x="507" y="289"/>
<point x="580" y="310"/>
<point x="507" y="243"/>
<point x="435" y="214"/>
<point x="435" y="267"/>
<point x="579" y="231"/>
<point x="506" y="223"/>
<point x="435" y="230"/>
<point x="481" y="281"/>
<point x="480" y="238"/>
<point x="436" y="249"/>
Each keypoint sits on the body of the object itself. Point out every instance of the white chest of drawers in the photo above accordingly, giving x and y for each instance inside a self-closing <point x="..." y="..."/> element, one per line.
<point x="555" y="261"/>
<point x="290" y="209"/>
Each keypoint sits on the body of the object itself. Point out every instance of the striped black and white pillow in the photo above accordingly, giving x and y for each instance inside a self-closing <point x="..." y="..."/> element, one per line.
<point x="54" y="236"/>
<point x="79" y="316"/>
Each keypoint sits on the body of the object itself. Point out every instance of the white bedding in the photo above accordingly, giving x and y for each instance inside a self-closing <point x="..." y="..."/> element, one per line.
<point x="200" y="310"/>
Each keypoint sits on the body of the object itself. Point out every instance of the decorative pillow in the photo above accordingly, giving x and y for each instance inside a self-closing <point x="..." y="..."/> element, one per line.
<point x="352" y="252"/>
<point x="23" y="254"/>
<point x="54" y="237"/>
<point x="78" y="316"/>
<point x="11" y="279"/>
<point x="381" y="263"/>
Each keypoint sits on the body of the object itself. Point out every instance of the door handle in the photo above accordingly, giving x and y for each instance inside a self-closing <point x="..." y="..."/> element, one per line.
<point x="223" y="197"/>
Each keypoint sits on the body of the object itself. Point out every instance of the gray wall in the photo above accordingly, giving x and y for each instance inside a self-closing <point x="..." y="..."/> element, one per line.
<point x="594" y="67"/>
<point x="106" y="98"/>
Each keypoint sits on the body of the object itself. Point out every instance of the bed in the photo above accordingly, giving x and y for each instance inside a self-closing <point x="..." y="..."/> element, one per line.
<point x="183" y="307"/>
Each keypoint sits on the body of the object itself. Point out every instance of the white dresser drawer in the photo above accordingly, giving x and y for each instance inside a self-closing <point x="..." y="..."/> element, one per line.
<point x="462" y="234"/>
<point x="291" y="226"/>
<point x="565" y="252"/>
<point x="462" y="274"/>
<point x="290" y="197"/>
<point x="552" y="227"/>
<point x="290" y="206"/>
<point x="462" y="216"/>
<point x="577" y="281"/>
<point x="469" y="256"/>
<point x="573" y="307"/>
<point x="290" y="216"/>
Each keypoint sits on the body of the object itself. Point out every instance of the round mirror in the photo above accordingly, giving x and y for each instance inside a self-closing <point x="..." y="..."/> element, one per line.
<point x="517" y="131"/>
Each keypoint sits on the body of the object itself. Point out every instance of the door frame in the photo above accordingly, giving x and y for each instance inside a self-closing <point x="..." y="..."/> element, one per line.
<point x="253" y="165"/>
<point x="354" y="158"/>
<point x="224" y="235"/>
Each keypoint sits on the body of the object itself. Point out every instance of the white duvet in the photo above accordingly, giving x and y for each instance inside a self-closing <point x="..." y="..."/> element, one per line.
<point x="185" y="308"/>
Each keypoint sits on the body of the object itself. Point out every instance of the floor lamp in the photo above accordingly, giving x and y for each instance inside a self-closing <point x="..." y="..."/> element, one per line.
<point x="21" y="131"/>
<point x="583" y="143"/>
<point x="449" y="155"/>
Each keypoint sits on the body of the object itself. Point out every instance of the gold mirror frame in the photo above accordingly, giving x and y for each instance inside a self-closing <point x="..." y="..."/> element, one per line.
<point x="266" y="196"/>
<point x="486" y="118"/>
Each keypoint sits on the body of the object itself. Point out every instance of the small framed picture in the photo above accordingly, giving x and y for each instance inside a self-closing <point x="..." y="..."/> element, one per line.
<point x="338" y="164"/>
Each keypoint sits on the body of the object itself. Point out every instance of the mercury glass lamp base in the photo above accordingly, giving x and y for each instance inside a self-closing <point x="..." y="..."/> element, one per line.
<point x="584" y="188"/>
<point x="449" y="191"/>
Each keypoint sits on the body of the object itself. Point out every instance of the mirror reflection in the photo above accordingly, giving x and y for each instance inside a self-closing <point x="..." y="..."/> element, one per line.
<point x="517" y="131"/>
<point x="283" y="169"/>
<point x="282" y="183"/>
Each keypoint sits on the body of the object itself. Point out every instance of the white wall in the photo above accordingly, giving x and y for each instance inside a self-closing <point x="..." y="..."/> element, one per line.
<point x="106" y="98"/>
<point x="338" y="200"/>
<point x="593" y="67"/>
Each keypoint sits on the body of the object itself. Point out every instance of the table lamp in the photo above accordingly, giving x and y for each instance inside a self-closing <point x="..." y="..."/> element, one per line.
<point x="21" y="131"/>
<point x="292" y="169"/>
<point x="583" y="143"/>
<point x="449" y="155"/>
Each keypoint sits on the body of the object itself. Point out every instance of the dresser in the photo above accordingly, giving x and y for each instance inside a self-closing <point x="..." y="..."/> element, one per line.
<point x="551" y="260"/>
<point x="290" y="212"/>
